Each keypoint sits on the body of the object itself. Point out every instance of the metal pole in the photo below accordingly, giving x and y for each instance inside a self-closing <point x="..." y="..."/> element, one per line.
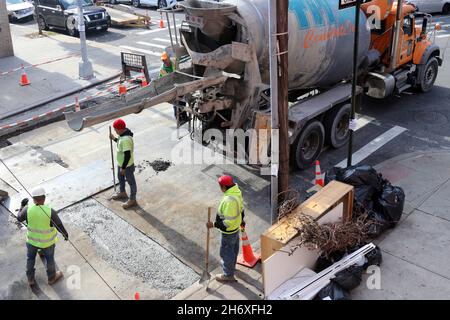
<point x="355" y="79"/>
<point x="274" y="145"/>
<point x="112" y="159"/>
<point x="396" y="37"/>
<point x="85" y="70"/>
<point x="283" y="113"/>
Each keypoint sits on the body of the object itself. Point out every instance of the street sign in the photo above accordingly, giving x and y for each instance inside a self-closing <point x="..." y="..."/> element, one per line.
<point x="350" y="3"/>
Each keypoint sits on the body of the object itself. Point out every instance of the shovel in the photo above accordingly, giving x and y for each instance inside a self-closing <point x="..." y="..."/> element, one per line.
<point x="206" y="275"/>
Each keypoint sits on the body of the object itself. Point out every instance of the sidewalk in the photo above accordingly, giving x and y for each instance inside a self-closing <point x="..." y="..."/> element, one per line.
<point x="416" y="263"/>
<point x="52" y="79"/>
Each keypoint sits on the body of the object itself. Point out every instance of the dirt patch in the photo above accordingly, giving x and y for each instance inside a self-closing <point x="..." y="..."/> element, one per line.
<point x="158" y="165"/>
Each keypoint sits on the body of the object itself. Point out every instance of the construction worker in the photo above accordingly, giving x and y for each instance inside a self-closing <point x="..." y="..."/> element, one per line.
<point x="42" y="226"/>
<point x="166" y="68"/>
<point x="125" y="161"/>
<point x="229" y="219"/>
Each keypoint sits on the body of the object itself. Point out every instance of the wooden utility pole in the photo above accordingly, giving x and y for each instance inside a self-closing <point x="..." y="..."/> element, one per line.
<point x="282" y="32"/>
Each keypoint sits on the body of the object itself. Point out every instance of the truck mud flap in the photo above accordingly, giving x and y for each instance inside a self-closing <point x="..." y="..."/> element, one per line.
<point x="161" y="90"/>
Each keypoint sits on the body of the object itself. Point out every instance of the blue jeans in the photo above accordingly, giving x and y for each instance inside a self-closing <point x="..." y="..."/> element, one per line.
<point x="129" y="177"/>
<point x="229" y="251"/>
<point x="49" y="254"/>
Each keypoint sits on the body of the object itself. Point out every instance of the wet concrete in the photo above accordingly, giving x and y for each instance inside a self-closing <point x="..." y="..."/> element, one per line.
<point x="128" y="250"/>
<point x="49" y="157"/>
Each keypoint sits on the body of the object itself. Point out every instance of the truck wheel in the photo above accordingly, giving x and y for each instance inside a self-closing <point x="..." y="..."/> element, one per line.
<point x="308" y="145"/>
<point x="336" y="126"/>
<point x="446" y="9"/>
<point x="136" y="3"/>
<point x="427" y="75"/>
<point x="162" y="4"/>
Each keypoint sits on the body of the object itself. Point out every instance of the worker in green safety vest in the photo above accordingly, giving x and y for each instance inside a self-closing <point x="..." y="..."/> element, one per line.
<point x="229" y="220"/>
<point x="166" y="68"/>
<point x="43" y="224"/>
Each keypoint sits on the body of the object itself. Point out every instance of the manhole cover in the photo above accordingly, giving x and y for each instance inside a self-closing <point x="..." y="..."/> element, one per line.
<point x="431" y="117"/>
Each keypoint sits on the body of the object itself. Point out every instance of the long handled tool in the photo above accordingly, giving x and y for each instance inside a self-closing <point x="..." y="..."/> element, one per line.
<point x="206" y="275"/>
<point x="112" y="159"/>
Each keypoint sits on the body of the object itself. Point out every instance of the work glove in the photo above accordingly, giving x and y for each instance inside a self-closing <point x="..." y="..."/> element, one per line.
<point x="66" y="237"/>
<point x="243" y="224"/>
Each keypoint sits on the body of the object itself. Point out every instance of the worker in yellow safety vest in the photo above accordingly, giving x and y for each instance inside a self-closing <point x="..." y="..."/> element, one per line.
<point x="43" y="224"/>
<point x="229" y="219"/>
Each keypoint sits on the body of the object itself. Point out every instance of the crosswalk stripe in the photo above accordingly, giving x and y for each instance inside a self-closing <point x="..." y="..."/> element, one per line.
<point x="155" y="30"/>
<point x="151" y="44"/>
<point x="162" y="40"/>
<point x="373" y="146"/>
<point x="153" y="53"/>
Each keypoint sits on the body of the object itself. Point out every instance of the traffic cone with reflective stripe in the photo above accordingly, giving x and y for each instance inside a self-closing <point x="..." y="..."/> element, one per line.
<point x="161" y="22"/>
<point x="319" y="178"/>
<point x="24" y="78"/>
<point x="247" y="258"/>
<point x="122" y="89"/>
<point x="144" y="80"/>
<point x="77" y="105"/>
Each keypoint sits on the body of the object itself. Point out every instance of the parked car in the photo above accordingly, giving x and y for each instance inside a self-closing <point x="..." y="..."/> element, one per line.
<point x="63" y="14"/>
<point x="148" y="3"/>
<point x="431" y="6"/>
<point x="19" y="9"/>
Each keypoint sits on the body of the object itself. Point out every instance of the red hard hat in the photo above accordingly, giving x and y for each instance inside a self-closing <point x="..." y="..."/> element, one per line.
<point x="226" y="181"/>
<point x="119" y="124"/>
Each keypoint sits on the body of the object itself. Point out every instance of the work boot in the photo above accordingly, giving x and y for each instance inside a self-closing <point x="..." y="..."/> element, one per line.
<point x="129" y="204"/>
<point x="31" y="282"/>
<point x="119" y="196"/>
<point x="58" y="275"/>
<point x="225" y="279"/>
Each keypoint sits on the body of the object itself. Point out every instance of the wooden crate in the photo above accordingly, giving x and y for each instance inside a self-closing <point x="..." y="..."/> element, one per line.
<point x="334" y="193"/>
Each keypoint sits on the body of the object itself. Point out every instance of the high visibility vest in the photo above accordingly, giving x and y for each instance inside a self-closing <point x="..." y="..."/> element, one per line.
<point x="164" y="71"/>
<point x="230" y="211"/>
<point x="121" y="153"/>
<point x="39" y="233"/>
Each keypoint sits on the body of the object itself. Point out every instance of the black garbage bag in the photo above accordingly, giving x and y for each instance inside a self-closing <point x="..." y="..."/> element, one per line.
<point x="324" y="261"/>
<point x="391" y="203"/>
<point x="364" y="195"/>
<point x="363" y="175"/>
<point x="334" y="291"/>
<point x="377" y="224"/>
<point x="334" y="174"/>
<point x="349" y="278"/>
<point x="374" y="257"/>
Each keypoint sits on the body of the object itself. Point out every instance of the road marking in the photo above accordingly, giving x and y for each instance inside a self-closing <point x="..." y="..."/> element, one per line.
<point x="151" y="44"/>
<point x="373" y="146"/>
<point x="162" y="40"/>
<point x="363" y="121"/>
<point x="153" y="53"/>
<point x="156" y="30"/>
<point x="443" y="36"/>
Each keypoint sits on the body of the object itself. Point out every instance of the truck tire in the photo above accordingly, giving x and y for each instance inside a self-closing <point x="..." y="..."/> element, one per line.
<point x="162" y="4"/>
<point x="446" y="8"/>
<point x="308" y="146"/>
<point x="336" y="126"/>
<point x="427" y="75"/>
<point x="136" y="3"/>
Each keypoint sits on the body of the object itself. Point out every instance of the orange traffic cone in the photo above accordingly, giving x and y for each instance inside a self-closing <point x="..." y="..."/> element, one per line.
<point x="137" y="296"/>
<point x="161" y="22"/>
<point x="122" y="89"/>
<point x="247" y="258"/>
<point x="144" y="82"/>
<point x="24" y="78"/>
<point x="77" y="105"/>
<point x="319" y="178"/>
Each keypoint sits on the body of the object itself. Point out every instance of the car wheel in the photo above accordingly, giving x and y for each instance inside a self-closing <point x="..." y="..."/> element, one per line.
<point x="43" y="25"/>
<point x="136" y="3"/>
<point x="162" y="4"/>
<point x="113" y="1"/>
<point x="336" y="126"/>
<point x="446" y="9"/>
<point x="104" y="29"/>
<point x="308" y="146"/>
<point x="71" y="26"/>
<point x="427" y="75"/>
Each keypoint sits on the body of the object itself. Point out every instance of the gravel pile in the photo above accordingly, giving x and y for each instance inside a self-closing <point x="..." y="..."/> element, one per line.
<point x="128" y="250"/>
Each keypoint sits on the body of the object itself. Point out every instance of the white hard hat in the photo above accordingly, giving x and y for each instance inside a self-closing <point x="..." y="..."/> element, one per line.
<point x="38" y="192"/>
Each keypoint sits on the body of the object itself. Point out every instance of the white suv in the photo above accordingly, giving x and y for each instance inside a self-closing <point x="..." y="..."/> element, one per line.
<point x="430" y="6"/>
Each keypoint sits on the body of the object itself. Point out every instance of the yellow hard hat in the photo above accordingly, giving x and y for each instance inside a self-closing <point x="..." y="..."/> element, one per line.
<point x="164" y="56"/>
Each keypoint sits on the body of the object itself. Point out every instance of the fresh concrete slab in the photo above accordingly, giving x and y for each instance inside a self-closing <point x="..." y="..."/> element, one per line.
<point x="128" y="250"/>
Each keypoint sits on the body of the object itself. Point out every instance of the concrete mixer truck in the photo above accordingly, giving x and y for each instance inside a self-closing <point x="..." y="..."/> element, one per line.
<point x="226" y="83"/>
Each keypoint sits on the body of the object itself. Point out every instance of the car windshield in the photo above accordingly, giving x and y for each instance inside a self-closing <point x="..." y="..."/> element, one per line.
<point x="14" y="1"/>
<point x="71" y="4"/>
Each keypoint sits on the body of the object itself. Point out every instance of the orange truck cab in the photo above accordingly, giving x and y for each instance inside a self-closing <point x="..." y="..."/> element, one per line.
<point x="402" y="55"/>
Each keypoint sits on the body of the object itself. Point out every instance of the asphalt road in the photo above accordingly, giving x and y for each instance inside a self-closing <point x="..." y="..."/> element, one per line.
<point x="397" y="125"/>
